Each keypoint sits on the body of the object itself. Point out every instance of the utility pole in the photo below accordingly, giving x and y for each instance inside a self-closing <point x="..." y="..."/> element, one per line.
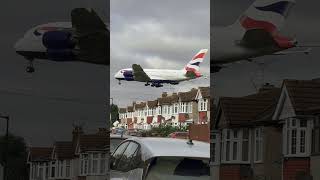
<point x="6" y="153"/>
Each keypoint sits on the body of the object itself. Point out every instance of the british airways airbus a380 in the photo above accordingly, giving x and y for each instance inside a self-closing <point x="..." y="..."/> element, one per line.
<point x="256" y="33"/>
<point x="158" y="77"/>
<point x="85" y="38"/>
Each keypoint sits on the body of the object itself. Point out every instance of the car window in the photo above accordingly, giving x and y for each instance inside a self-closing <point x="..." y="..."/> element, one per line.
<point x="176" y="168"/>
<point x="118" y="154"/>
<point x="114" y="143"/>
<point x="125" y="161"/>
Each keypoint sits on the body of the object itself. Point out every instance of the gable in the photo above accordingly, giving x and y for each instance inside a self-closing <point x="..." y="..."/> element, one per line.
<point x="284" y="106"/>
<point x="199" y="95"/>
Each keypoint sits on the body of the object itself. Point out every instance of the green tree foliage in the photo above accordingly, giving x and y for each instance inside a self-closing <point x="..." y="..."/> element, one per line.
<point x="17" y="157"/>
<point x="114" y="113"/>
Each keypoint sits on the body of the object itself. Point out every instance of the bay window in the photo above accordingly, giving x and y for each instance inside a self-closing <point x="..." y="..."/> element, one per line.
<point x="175" y="108"/>
<point x="93" y="163"/>
<point x="203" y="105"/>
<point x="258" y="144"/>
<point x="295" y="135"/>
<point x="235" y="145"/>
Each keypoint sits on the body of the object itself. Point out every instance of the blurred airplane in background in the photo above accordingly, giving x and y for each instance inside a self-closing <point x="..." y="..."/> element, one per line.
<point x="158" y="77"/>
<point x="256" y="33"/>
<point x="85" y="38"/>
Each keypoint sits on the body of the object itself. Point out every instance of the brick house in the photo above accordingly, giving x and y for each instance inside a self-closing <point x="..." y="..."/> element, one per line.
<point x="188" y="107"/>
<point x="151" y="107"/>
<point x="297" y="110"/>
<point x="139" y="115"/>
<point x="92" y="156"/>
<point x="168" y="109"/>
<point x="245" y="140"/>
<point x="129" y="117"/>
<point x="122" y="117"/>
<point x="39" y="162"/>
<point x="203" y="101"/>
<point x="83" y="158"/>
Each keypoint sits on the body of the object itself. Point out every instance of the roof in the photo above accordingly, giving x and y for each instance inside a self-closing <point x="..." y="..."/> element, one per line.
<point x="188" y="96"/>
<point x="168" y="99"/>
<point x="130" y="108"/>
<point x="140" y="105"/>
<point x="122" y="110"/>
<point x="40" y="153"/>
<point x="205" y="92"/>
<point x="93" y="142"/>
<point x="64" y="149"/>
<point x="156" y="147"/>
<point x="304" y="94"/>
<point x="240" y="111"/>
<point x="152" y="104"/>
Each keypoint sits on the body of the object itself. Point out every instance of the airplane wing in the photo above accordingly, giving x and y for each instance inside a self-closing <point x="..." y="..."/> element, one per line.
<point x="92" y="36"/>
<point x="305" y="51"/>
<point x="139" y="74"/>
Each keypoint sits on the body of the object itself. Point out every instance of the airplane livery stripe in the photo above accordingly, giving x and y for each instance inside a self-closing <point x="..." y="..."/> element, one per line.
<point x="278" y="7"/>
<point x="249" y="23"/>
<point x="200" y="55"/>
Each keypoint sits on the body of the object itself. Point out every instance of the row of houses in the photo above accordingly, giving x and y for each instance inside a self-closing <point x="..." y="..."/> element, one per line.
<point x="176" y="109"/>
<point x="85" y="157"/>
<point x="272" y="134"/>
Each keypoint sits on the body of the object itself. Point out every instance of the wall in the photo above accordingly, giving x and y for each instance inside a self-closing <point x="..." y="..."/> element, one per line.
<point x="294" y="166"/>
<point x="314" y="166"/>
<point x="200" y="132"/>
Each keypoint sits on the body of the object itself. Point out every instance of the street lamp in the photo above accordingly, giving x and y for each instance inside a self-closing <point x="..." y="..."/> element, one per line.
<point x="5" y="170"/>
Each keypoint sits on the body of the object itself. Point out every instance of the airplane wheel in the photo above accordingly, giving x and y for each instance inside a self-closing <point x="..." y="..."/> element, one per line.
<point x="30" y="69"/>
<point x="119" y="83"/>
<point x="152" y="85"/>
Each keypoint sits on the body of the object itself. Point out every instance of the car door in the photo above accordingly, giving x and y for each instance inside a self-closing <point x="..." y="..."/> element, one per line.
<point x="126" y="166"/>
<point x="114" y="160"/>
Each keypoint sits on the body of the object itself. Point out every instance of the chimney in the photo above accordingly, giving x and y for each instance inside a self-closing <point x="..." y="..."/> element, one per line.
<point x="164" y="94"/>
<point x="266" y="87"/>
<point x="76" y="133"/>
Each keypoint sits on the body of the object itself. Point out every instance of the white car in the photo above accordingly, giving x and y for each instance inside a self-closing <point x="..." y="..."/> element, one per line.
<point x="160" y="159"/>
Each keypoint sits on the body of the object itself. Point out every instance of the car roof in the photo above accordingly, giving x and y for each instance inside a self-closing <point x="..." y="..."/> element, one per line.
<point x="168" y="147"/>
<point x="119" y="136"/>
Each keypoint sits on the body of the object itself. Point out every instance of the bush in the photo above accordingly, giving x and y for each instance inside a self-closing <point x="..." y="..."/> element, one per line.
<point x="163" y="130"/>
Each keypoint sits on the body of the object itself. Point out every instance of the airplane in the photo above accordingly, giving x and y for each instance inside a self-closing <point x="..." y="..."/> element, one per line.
<point x="85" y="39"/>
<point x="158" y="77"/>
<point x="256" y="33"/>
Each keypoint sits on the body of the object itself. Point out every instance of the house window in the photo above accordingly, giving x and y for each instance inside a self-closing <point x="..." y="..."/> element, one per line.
<point x="295" y="137"/>
<point x="316" y="136"/>
<point x="184" y="107"/>
<point x="214" y="148"/>
<point x="258" y="144"/>
<point x="175" y="108"/>
<point x="68" y="168"/>
<point x="235" y="145"/>
<point x="203" y="105"/>
<point x="83" y="164"/>
<point x="95" y="160"/>
<point x="53" y="169"/>
<point x="103" y="163"/>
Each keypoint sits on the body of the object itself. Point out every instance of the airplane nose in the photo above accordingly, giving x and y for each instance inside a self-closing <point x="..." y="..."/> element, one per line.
<point x="117" y="75"/>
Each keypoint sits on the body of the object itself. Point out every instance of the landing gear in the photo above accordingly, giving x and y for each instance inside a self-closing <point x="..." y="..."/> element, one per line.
<point x="30" y="68"/>
<point x="147" y="84"/>
<point x="119" y="82"/>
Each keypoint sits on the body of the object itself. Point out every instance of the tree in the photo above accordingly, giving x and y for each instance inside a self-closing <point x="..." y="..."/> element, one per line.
<point x="114" y="111"/>
<point x="17" y="157"/>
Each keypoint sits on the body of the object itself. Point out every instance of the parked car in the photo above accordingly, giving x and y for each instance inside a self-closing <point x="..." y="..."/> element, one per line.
<point x="179" y="135"/>
<point x="147" y="158"/>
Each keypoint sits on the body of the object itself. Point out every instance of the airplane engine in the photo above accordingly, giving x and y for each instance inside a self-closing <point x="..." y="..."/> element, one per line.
<point x="58" y="40"/>
<point x="128" y="75"/>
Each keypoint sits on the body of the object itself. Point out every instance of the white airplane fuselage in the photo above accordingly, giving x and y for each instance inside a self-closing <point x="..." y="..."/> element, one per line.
<point x="156" y="75"/>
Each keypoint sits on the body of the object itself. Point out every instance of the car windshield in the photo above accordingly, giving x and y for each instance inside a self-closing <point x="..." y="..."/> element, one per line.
<point x="176" y="168"/>
<point x="114" y="142"/>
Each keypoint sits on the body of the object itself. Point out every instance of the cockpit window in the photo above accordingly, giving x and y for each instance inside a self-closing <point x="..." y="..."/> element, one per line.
<point x="176" y="168"/>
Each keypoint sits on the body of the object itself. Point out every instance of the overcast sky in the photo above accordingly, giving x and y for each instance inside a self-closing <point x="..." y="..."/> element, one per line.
<point x="303" y="23"/>
<point x="43" y="105"/>
<point x="157" y="34"/>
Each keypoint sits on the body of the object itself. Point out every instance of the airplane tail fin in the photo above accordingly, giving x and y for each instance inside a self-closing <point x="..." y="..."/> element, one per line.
<point x="268" y="15"/>
<point x="193" y="67"/>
